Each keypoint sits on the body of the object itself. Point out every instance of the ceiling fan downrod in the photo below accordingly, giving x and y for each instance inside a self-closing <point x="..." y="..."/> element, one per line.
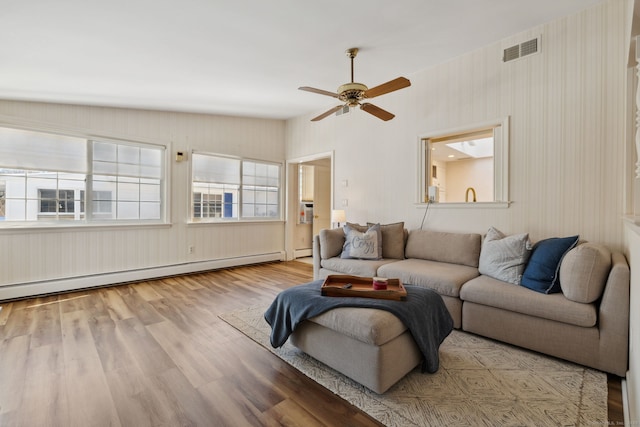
<point x="351" y="53"/>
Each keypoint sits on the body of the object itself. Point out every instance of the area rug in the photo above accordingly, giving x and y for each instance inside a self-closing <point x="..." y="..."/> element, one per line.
<point x="480" y="382"/>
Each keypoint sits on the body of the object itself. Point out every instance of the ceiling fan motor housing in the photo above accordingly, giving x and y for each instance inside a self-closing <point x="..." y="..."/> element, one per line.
<point x="352" y="93"/>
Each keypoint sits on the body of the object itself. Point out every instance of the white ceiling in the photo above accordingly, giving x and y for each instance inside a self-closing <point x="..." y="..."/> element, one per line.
<point x="239" y="57"/>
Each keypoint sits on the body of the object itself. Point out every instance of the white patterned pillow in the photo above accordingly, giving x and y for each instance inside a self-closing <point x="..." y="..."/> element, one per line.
<point x="504" y="257"/>
<point x="362" y="245"/>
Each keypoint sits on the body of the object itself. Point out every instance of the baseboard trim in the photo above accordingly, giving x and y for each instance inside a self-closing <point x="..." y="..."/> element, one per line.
<point x="32" y="289"/>
<point x="625" y="401"/>
<point x="301" y="253"/>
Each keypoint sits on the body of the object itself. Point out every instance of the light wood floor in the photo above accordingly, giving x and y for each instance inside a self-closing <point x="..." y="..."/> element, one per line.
<point x="155" y="353"/>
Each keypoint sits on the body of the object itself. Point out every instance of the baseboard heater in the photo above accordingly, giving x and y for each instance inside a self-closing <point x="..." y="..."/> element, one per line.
<point x="47" y="287"/>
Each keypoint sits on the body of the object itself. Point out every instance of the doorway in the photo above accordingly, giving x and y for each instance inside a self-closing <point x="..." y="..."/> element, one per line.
<point x="310" y="203"/>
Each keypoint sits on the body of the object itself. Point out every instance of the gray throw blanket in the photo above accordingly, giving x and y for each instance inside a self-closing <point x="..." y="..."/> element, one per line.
<point x="423" y="313"/>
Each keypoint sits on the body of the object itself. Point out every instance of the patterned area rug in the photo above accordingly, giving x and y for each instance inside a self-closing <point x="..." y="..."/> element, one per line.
<point x="480" y="383"/>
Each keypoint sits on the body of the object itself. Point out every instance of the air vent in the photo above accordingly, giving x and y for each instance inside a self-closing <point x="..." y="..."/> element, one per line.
<point x="521" y="50"/>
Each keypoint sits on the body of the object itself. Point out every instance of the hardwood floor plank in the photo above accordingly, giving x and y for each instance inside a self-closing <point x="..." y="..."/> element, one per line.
<point x="230" y="407"/>
<point x="146" y="291"/>
<point x="289" y="413"/>
<point x="88" y="393"/>
<point x="115" y="305"/>
<point x="155" y="353"/>
<point x="45" y="328"/>
<point x="14" y="353"/>
<point x="190" y="406"/>
<point x="5" y="311"/>
<point x="145" y="312"/>
<point x="198" y="367"/>
<point x="148" y="355"/>
<point x="44" y="396"/>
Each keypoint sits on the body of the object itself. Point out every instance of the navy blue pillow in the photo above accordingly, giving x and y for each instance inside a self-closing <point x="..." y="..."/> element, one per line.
<point x="541" y="273"/>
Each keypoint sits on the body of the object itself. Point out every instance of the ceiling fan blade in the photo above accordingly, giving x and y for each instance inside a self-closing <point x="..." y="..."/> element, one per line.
<point x="377" y="111"/>
<point x="319" y="91"/>
<point x="390" y="86"/>
<point x="327" y="113"/>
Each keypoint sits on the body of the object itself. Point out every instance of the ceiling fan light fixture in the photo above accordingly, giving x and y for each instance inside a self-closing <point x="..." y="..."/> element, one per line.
<point x="353" y="93"/>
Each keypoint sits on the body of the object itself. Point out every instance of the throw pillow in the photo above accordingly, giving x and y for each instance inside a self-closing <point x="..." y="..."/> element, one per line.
<point x="541" y="273"/>
<point x="367" y="245"/>
<point x="331" y="242"/>
<point x="504" y="257"/>
<point x="393" y="240"/>
<point x="584" y="272"/>
<point x="358" y="227"/>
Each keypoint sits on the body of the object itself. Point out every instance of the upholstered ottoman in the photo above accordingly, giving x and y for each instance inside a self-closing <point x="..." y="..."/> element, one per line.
<point x="370" y="346"/>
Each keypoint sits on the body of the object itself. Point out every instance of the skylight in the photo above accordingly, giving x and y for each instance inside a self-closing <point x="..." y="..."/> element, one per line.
<point x="476" y="148"/>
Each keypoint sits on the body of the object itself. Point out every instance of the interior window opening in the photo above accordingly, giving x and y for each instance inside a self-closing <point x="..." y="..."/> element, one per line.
<point x="465" y="166"/>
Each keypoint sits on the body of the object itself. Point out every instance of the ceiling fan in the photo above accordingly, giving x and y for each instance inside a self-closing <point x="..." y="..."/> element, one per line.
<point x="352" y="94"/>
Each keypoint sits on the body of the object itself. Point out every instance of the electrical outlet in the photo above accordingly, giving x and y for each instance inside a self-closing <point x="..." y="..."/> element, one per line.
<point x="191" y="249"/>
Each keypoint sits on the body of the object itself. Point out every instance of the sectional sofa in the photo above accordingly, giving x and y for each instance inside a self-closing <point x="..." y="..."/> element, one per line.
<point x="582" y="317"/>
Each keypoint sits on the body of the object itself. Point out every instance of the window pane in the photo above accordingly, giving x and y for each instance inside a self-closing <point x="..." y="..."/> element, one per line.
<point x="260" y="189"/>
<point x="43" y="177"/>
<point x="128" y="154"/>
<point x="128" y="210"/>
<point x="128" y="191"/>
<point x="150" y="193"/>
<point x="133" y="180"/>
<point x="105" y="152"/>
<point x="149" y="210"/>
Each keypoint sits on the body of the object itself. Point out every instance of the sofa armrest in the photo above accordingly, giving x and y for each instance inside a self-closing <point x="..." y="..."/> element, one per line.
<point x="613" y="317"/>
<point x="316" y="257"/>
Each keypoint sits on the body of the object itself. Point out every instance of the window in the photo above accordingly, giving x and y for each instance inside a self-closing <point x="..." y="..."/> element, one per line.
<point x="49" y="177"/>
<point x="128" y="178"/>
<point x="227" y="188"/>
<point x="260" y="190"/>
<point x="468" y="165"/>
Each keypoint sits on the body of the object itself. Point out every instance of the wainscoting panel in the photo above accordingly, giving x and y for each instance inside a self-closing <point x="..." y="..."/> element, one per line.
<point x="37" y="255"/>
<point x="567" y="112"/>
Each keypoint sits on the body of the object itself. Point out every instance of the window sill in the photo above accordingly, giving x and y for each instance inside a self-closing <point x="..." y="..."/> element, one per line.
<point x="235" y="221"/>
<point x="462" y="205"/>
<point x="31" y="226"/>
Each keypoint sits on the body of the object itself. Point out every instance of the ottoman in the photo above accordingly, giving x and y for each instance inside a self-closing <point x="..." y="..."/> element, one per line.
<point x="372" y="347"/>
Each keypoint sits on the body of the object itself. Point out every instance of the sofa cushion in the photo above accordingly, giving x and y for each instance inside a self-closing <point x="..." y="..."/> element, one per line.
<point x="362" y="245"/>
<point x="354" y="267"/>
<point x="331" y="242"/>
<point x="369" y="325"/>
<point x="584" y="271"/>
<point x="504" y="257"/>
<point x="488" y="291"/>
<point x="393" y="240"/>
<point x="444" y="278"/>
<point x="455" y="248"/>
<point x="541" y="273"/>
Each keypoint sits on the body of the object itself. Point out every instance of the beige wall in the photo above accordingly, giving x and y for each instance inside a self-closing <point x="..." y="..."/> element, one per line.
<point x="567" y="119"/>
<point x="32" y="255"/>
<point x="474" y="173"/>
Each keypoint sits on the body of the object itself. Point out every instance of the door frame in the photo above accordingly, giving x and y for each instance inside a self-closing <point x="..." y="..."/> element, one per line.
<point x="291" y="196"/>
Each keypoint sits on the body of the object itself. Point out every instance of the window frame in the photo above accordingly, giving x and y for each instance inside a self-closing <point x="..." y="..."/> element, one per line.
<point x="62" y="220"/>
<point x="500" y="164"/>
<point x="239" y="203"/>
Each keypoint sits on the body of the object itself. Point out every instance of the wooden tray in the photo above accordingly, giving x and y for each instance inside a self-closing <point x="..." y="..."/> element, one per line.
<point x="362" y="287"/>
